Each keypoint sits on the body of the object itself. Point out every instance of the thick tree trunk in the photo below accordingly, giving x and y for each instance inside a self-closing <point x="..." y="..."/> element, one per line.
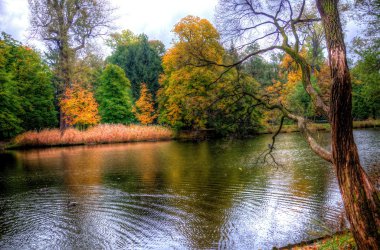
<point x="358" y="193"/>
<point x="65" y="80"/>
<point x="65" y="74"/>
<point x="62" y="122"/>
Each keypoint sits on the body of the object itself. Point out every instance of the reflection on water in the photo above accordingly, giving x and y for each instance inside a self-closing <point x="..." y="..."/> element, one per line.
<point x="170" y="194"/>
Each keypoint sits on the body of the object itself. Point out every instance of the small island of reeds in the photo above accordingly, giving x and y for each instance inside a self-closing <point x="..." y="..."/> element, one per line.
<point x="100" y="134"/>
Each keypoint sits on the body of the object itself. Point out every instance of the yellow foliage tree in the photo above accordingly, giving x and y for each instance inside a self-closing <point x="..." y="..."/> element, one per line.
<point x="144" y="106"/>
<point x="79" y="106"/>
<point x="187" y="89"/>
<point x="291" y="74"/>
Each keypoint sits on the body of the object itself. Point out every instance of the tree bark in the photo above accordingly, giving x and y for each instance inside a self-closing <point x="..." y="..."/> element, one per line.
<point x="65" y="78"/>
<point x="65" y="70"/>
<point x="359" y="196"/>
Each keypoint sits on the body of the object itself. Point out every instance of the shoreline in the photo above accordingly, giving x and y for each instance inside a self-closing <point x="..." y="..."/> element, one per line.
<point x="320" y="127"/>
<point x="185" y="135"/>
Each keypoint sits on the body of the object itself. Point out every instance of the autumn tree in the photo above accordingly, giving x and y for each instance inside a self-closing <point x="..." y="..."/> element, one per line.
<point x="66" y="26"/>
<point x="139" y="58"/>
<point x="288" y="87"/>
<point x="189" y="96"/>
<point x="114" y="96"/>
<point x="281" y="20"/>
<point x="185" y="88"/>
<point x="144" y="106"/>
<point x="80" y="106"/>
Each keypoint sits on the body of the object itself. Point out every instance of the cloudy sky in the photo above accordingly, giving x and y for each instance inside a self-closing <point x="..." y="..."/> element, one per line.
<point x="152" y="17"/>
<point x="155" y="18"/>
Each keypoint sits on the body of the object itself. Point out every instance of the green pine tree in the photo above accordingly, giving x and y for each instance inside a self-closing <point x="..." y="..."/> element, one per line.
<point x="114" y="96"/>
<point x="139" y="58"/>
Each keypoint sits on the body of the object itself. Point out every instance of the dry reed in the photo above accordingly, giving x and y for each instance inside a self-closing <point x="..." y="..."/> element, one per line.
<point x="106" y="133"/>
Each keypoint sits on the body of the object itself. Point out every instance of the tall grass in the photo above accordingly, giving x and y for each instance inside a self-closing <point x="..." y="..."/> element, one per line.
<point x="105" y="133"/>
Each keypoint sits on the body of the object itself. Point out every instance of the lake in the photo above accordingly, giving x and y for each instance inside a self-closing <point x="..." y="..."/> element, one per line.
<point x="181" y="195"/>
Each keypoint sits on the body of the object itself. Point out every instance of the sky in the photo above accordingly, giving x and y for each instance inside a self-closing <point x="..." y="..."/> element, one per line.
<point x="155" y="18"/>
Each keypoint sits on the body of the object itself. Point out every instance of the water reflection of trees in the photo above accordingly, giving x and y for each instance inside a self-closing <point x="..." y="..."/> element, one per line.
<point x="214" y="177"/>
<point x="213" y="189"/>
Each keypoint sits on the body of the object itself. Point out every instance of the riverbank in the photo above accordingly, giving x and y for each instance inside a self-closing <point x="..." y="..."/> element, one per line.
<point x="340" y="240"/>
<point x="318" y="127"/>
<point x="101" y="134"/>
<point x="117" y="133"/>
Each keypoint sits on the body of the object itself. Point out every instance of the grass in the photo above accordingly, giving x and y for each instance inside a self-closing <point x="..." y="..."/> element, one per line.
<point x="344" y="241"/>
<point x="367" y="124"/>
<point x="106" y="133"/>
<point x="319" y="126"/>
<point x="338" y="241"/>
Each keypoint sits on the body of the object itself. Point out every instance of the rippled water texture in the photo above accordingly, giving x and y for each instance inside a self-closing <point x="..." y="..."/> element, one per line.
<point x="171" y="194"/>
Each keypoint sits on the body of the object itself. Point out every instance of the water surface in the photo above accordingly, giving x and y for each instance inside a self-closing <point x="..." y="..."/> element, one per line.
<point x="181" y="195"/>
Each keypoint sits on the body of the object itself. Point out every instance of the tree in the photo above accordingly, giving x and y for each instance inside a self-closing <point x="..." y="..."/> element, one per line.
<point x="66" y="26"/>
<point x="139" y="58"/>
<point x="289" y="90"/>
<point x="35" y="89"/>
<point x="189" y="96"/>
<point x="360" y="198"/>
<point x="368" y="12"/>
<point x="186" y="92"/>
<point x="114" y="96"/>
<point x="144" y="106"/>
<point x="366" y="73"/>
<point x="79" y="106"/>
<point x="259" y="68"/>
<point x="281" y="20"/>
<point x="10" y="103"/>
<point x="27" y="91"/>
<point x="89" y="67"/>
<point x="125" y="38"/>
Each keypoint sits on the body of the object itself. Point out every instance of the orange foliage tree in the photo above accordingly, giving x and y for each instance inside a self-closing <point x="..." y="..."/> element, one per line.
<point x="79" y="106"/>
<point x="289" y="90"/>
<point x="290" y="75"/>
<point x="144" y="106"/>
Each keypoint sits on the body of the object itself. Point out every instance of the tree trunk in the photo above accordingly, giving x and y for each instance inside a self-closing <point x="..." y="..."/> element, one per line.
<point x="64" y="73"/>
<point x="65" y="65"/>
<point x="358" y="193"/>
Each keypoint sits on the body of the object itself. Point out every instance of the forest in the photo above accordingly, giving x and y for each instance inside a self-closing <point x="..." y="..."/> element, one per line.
<point x="259" y="64"/>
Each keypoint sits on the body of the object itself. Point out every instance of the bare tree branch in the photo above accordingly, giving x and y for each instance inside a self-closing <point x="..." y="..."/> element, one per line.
<point x="302" y="125"/>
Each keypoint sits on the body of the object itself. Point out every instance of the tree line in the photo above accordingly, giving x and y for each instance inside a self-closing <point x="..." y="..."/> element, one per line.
<point x="141" y="82"/>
